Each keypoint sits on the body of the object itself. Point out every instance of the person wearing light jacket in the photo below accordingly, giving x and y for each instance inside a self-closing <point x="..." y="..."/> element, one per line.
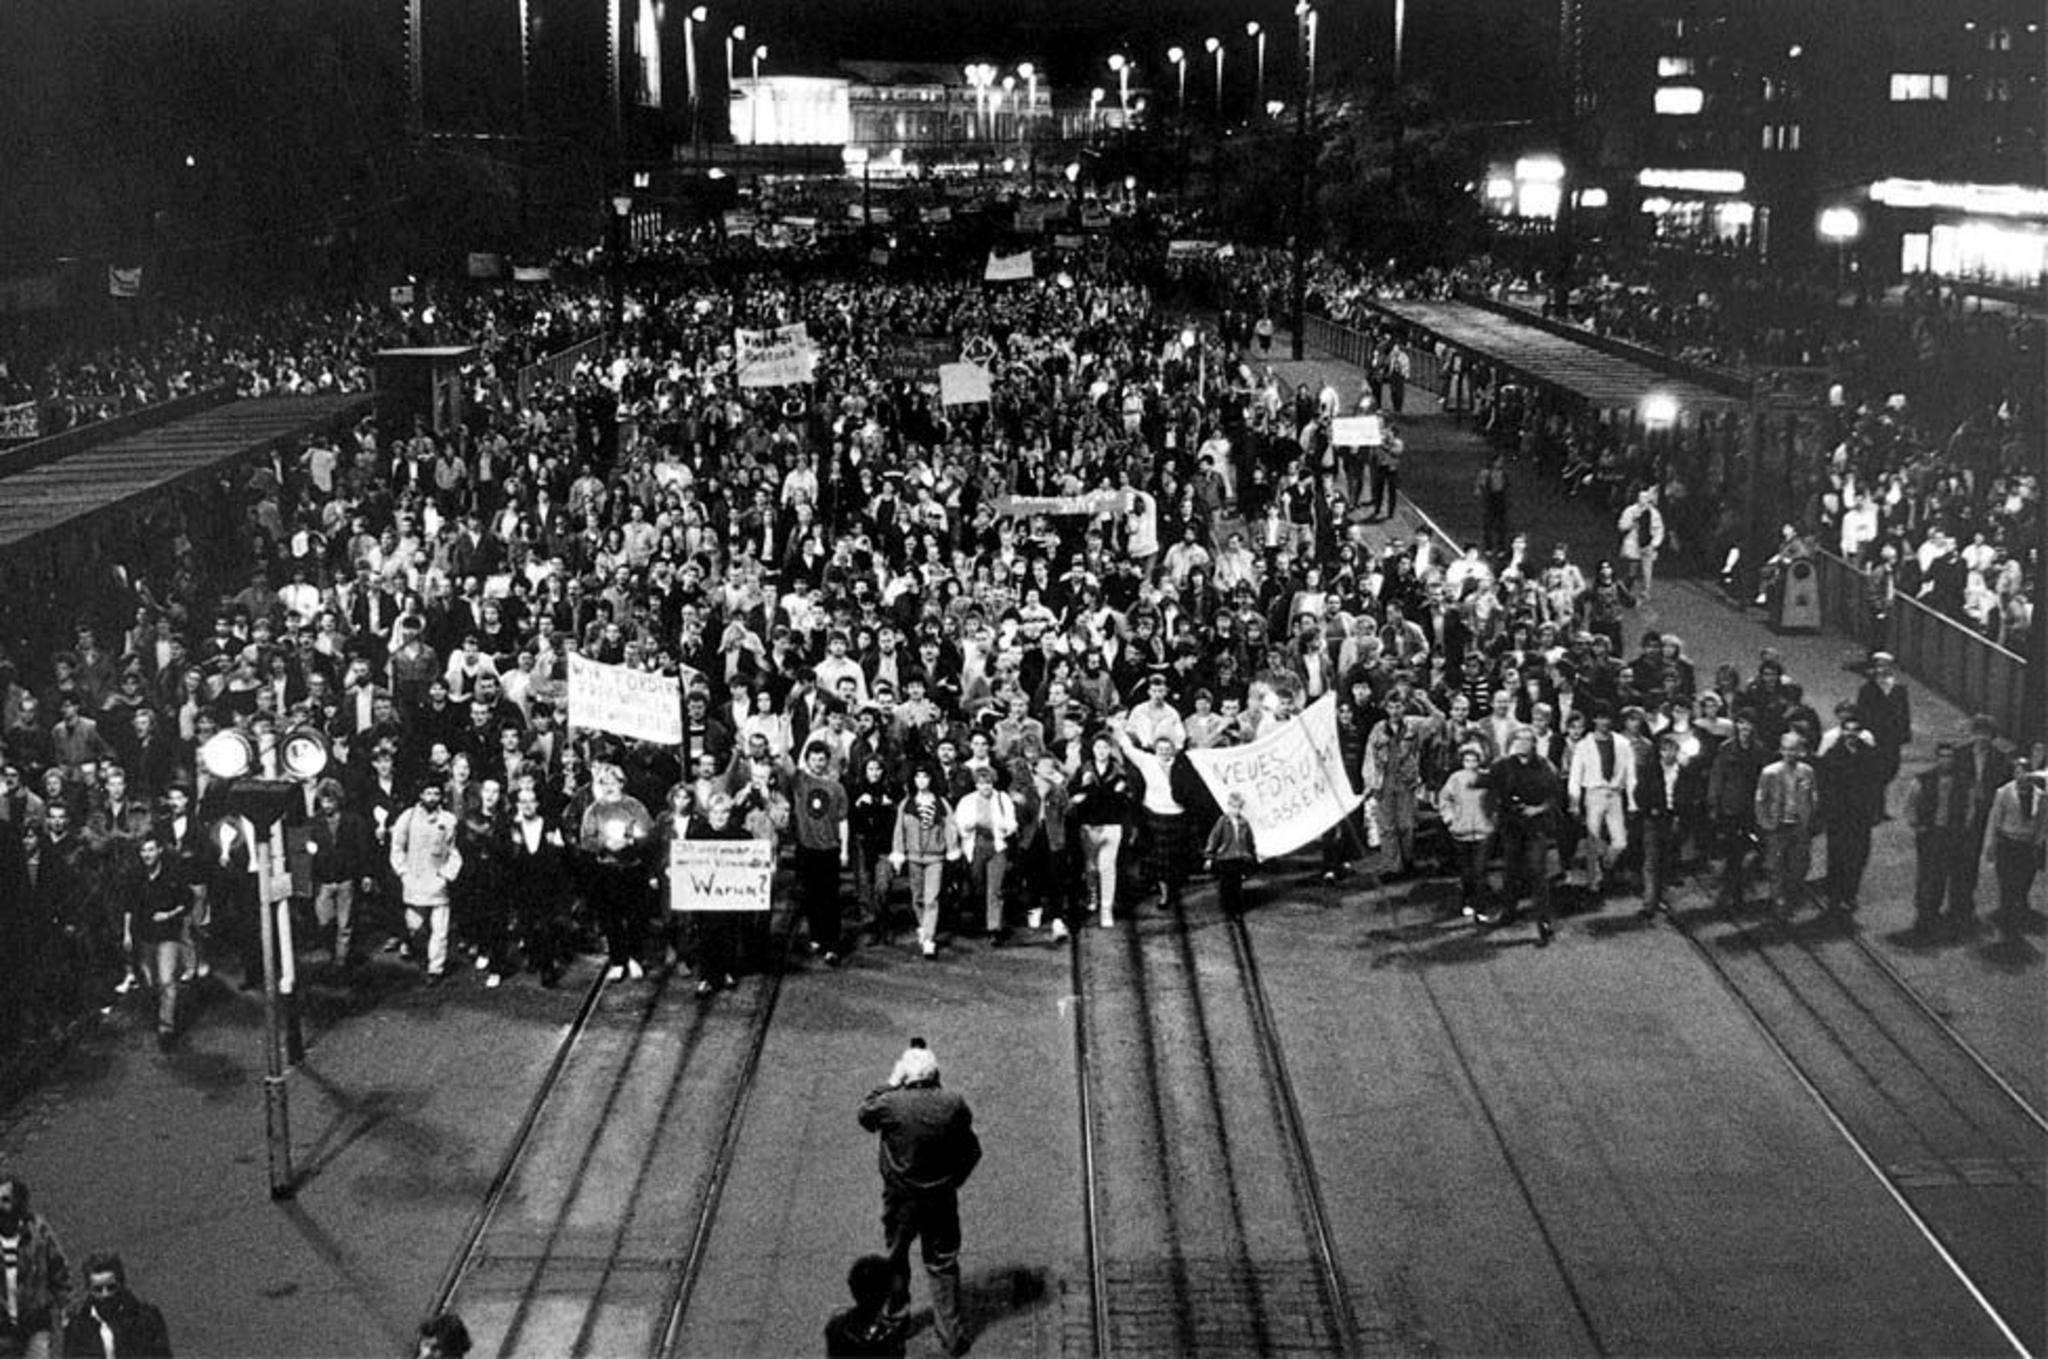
<point x="1601" y="784"/>
<point x="926" y="837"/>
<point x="1467" y="808"/>
<point x="426" y="861"/>
<point x="987" y="819"/>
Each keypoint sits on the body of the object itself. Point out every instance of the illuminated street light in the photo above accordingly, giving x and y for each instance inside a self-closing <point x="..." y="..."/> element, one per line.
<point x="690" y="21"/>
<point x="1095" y="97"/>
<point x="1275" y="107"/>
<point x="1840" y="224"/>
<point x="1121" y="64"/>
<point x="1305" y="25"/>
<point x="1660" y="410"/>
<point x="981" y="75"/>
<point x="1030" y="74"/>
<point x="1257" y="34"/>
<point x="1215" y="47"/>
<point x="754" y="97"/>
<point x="738" y="34"/>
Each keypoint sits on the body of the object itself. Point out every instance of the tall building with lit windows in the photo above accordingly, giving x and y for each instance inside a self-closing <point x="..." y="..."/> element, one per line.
<point x="1914" y="130"/>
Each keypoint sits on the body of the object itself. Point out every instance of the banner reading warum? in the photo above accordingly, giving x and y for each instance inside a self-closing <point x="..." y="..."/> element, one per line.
<point x="634" y="703"/>
<point x="782" y="357"/>
<point x="1292" y="779"/>
<point x="719" y="875"/>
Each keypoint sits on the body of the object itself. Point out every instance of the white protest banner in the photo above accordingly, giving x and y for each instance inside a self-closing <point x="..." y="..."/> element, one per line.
<point x="719" y="875"/>
<point x="20" y="422"/>
<point x="1067" y="240"/>
<point x="532" y="273"/>
<point x="1183" y="250"/>
<point x="124" y="282"/>
<point x="781" y="357"/>
<point x="1093" y="503"/>
<point x="738" y="223"/>
<point x="401" y="294"/>
<point x="1292" y="779"/>
<point x="486" y="264"/>
<point x="963" y="384"/>
<point x="938" y="216"/>
<point x="634" y="703"/>
<point x="1004" y="268"/>
<point x="1357" y="431"/>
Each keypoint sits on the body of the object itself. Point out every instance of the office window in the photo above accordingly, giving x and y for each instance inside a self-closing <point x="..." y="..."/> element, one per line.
<point x="1781" y="137"/>
<point x="1998" y="40"/>
<point x="1779" y="89"/>
<point x="1669" y="68"/>
<point x="1998" y="90"/>
<point x="1915" y="87"/>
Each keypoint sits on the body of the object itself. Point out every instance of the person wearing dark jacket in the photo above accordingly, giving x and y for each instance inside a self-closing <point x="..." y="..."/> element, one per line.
<point x="1885" y="710"/>
<point x="928" y="1148"/>
<point x="1527" y="790"/>
<point x="33" y="1302"/>
<point x="1731" y="802"/>
<point x="114" y="1323"/>
<point x="1853" y="774"/>
<point x="343" y="852"/>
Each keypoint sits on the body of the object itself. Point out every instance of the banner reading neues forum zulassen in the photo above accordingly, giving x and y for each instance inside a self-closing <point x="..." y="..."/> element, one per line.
<point x="1292" y="779"/>
<point x="633" y="703"/>
<point x="720" y="875"/>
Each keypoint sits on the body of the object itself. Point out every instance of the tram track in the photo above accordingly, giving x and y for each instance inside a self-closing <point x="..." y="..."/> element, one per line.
<point x="1960" y="1151"/>
<point x="593" y="1233"/>
<point x="1206" y="1229"/>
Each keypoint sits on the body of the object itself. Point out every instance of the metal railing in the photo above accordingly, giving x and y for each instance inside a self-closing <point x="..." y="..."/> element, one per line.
<point x="1962" y="665"/>
<point x="556" y="367"/>
<point x="1354" y="347"/>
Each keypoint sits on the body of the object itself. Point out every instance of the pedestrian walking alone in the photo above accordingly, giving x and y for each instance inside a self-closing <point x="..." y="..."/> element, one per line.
<point x="928" y="1149"/>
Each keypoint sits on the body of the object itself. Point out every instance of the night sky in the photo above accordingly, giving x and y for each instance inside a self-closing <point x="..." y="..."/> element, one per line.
<point x="101" y="101"/>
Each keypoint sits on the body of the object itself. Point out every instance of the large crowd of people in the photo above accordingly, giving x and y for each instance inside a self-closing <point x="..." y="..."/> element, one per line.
<point x="953" y="654"/>
<point x="947" y="661"/>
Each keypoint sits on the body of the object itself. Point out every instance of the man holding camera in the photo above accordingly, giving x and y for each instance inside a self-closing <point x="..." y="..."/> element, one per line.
<point x="928" y="1149"/>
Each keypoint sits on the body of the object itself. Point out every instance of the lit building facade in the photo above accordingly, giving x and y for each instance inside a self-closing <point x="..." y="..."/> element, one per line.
<point x="1906" y="133"/>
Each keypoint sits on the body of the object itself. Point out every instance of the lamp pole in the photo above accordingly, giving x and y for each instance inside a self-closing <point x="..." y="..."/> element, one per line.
<point x="1121" y="64"/>
<point x="1028" y="131"/>
<point x="754" y="96"/>
<point x="621" y="206"/>
<point x="1257" y="34"/>
<point x="1095" y="98"/>
<point x="1179" y="57"/>
<point x="1299" y="282"/>
<point x="691" y="19"/>
<point x="736" y="34"/>
<point x="1215" y="48"/>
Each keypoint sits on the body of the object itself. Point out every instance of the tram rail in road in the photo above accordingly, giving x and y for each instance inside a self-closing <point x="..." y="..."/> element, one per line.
<point x="1958" y="1148"/>
<point x="1207" y="1232"/>
<point x="592" y="1234"/>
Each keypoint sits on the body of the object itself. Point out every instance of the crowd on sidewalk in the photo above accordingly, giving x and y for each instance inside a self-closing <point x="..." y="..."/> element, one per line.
<point x="955" y="654"/>
<point x="1920" y="465"/>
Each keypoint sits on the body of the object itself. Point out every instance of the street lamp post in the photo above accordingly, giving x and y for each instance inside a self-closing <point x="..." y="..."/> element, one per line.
<point x="1179" y="57"/>
<point x="754" y="96"/>
<point x="737" y="34"/>
<point x="980" y="76"/>
<point x="691" y="19"/>
<point x="1027" y="131"/>
<point x="622" y="208"/>
<point x="1257" y="34"/>
<point x="1121" y="64"/>
<point x="1307" y="34"/>
<point x="1009" y="88"/>
<point x="1095" y="97"/>
<point x="1841" y="225"/>
<point x="1214" y="46"/>
<point x="251" y="808"/>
